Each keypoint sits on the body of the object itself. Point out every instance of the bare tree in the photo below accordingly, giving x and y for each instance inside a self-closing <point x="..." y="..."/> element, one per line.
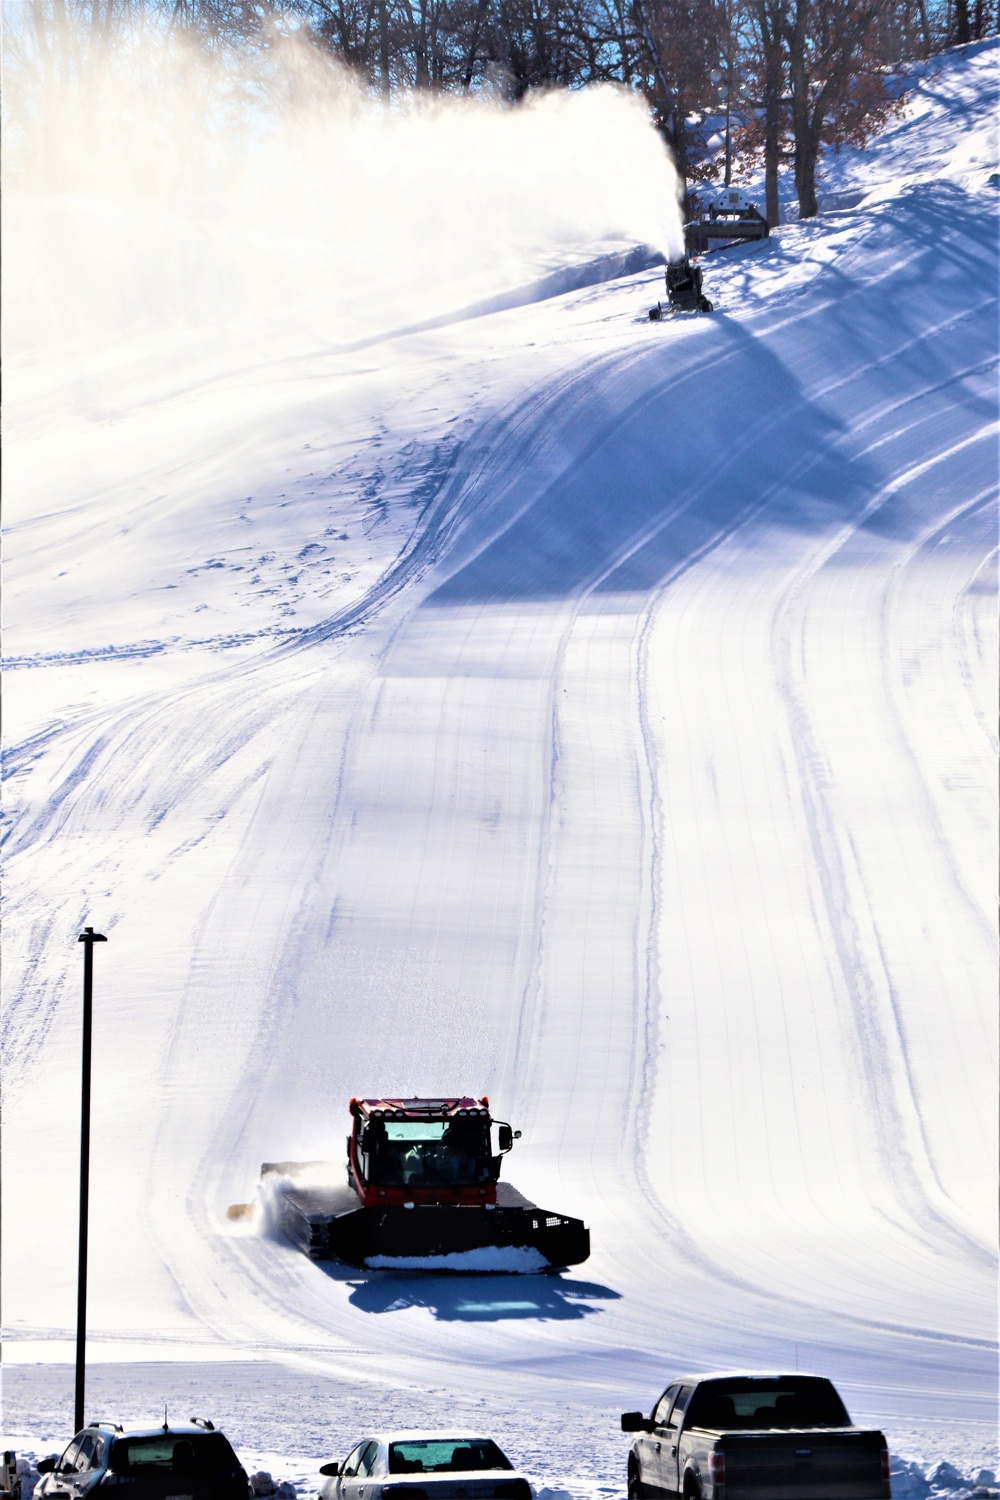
<point x="839" y="90"/>
<point x="765" y="60"/>
<point x="682" y="41"/>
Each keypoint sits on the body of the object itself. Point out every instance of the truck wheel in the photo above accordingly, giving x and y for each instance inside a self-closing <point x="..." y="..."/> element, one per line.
<point x="636" y="1488"/>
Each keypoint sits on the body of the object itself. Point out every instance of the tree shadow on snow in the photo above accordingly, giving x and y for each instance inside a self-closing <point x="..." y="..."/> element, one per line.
<point x="477" y="1299"/>
<point x="800" y="420"/>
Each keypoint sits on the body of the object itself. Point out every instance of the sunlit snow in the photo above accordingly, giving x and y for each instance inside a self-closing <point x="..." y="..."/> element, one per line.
<point x="593" y="713"/>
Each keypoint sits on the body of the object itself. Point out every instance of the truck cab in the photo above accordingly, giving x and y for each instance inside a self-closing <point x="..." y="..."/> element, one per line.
<point x="436" y="1151"/>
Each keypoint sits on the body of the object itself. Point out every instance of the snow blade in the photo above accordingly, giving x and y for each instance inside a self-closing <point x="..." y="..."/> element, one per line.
<point x="328" y="1223"/>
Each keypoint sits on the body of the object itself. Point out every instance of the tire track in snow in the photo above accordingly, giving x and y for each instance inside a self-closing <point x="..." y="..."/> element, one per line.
<point x="860" y="955"/>
<point x="981" y="506"/>
<point x="891" y="355"/>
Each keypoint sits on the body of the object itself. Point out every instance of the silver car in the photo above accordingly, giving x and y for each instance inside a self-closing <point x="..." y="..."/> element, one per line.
<point x="424" y="1466"/>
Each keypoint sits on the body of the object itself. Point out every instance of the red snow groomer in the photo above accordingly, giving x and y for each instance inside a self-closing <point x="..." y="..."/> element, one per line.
<point x="422" y="1193"/>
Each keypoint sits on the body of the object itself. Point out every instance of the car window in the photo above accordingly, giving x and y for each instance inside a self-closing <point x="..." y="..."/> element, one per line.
<point x="350" y="1464"/>
<point x="377" y="1464"/>
<point x="680" y="1405"/>
<point x="662" y="1408"/>
<point x="84" y="1458"/>
<point x="747" y="1402"/>
<point x="67" y="1464"/>
<point x="445" y="1455"/>
<point x="206" y="1453"/>
<point x="368" y="1459"/>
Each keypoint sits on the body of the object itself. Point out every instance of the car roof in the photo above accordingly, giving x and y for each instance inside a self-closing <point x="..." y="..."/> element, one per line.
<point x="173" y="1429"/>
<point x="692" y="1379"/>
<point x="437" y="1435"/>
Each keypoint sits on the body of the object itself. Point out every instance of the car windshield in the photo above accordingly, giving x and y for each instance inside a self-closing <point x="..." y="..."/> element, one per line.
<point x="793" y="1401"/>
<point x="427" y="1153"/>
<point x="445" y="1455"/>
<point x="199" y="1452"/>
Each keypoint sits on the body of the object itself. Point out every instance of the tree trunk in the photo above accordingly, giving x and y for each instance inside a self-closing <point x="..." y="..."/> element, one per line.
<point x="798" y="73"/>
<point x="623" y="46"/>
<point x="806" y="157"/>
<point x="670" y="117"/>
<point x="470" y="61"/>
<point x="925" y="28"/>
<point x="963" y="33"/>
<point x="418" y="36"/>
<point x="769" y="23"/>
<point x="383" y="47"/>
<point x="772" y="203"/>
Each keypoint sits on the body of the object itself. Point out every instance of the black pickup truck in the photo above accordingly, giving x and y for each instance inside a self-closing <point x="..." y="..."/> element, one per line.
<point x="750" y="1436"/>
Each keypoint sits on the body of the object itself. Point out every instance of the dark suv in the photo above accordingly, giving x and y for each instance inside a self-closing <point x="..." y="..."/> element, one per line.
<point x="150" y="1463"/>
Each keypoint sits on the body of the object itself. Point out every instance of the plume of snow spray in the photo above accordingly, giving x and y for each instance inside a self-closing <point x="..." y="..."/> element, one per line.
<point x="145" y="204"/>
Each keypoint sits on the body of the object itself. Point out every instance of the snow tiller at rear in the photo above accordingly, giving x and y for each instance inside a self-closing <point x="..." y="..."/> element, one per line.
<point x="422" y="1193"/>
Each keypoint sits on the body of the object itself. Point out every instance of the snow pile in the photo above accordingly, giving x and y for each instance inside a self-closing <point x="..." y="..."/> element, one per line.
<point x="262" y="1484"/>
<point x="908" y="1479"/>
<point x="912" y="1480"/>
<point x="27" y="1478"/>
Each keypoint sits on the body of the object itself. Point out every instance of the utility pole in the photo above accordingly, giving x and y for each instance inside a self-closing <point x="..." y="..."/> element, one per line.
<point x="88" y="937"/>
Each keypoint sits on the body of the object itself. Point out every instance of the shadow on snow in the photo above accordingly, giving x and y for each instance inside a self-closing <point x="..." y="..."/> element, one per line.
<point x="828" y="401"/>
<point x="474" y="1299"/>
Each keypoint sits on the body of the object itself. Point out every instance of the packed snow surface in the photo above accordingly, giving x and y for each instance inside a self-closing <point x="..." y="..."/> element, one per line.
<point x="593" y="713"/>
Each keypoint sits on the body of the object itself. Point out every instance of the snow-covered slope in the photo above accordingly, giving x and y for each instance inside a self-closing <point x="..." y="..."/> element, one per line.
<point x="595" y="713"/>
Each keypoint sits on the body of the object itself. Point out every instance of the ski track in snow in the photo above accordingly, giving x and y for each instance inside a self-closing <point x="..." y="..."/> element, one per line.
<point x="637" y="772"/>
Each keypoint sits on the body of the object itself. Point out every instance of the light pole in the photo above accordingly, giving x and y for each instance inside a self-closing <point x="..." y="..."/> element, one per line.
<point x="729" y="138"/>
<point x="88" y="937"/>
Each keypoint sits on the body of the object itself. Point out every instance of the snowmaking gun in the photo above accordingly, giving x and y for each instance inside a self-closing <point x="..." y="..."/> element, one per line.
<point x="730" y="219"/>
<point x="422" y="1191"/>
<point x="684" y="293"/>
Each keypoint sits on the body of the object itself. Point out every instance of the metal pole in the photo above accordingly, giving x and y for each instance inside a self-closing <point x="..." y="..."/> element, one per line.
<point x="729" y="149"/>
<point x="88" y="937"/>
<point x="729" y="92"/>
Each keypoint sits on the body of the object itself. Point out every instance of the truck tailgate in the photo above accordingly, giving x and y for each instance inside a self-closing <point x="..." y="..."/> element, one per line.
<point x="828" y="1465"/>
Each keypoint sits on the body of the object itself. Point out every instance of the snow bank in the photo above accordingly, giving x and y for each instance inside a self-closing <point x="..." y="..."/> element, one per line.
<point x="262" y="1484"/>
<point x="27" y="1476"/>
<point x="912" y="1480"/>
